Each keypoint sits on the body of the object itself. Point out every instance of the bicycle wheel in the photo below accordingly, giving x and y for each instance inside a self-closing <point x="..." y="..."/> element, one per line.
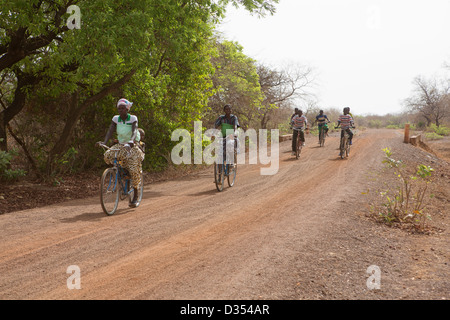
<point x="322" y="137"/>
<point x="232" y="172"/>
<point x="140" y="190"/>
<point x="347" y="149"/>
<point x="109" y="191"/>
<point x="342" y="147"/>
<point x="299" y="147"/>
<point x="219" y="176"/>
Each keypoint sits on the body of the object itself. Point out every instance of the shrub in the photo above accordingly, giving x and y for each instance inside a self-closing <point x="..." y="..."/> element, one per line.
<point x="5" y="172"/>
<point x="433" y="136"/>
<point x="405" y="204"/>
<point x="440" y="130"/>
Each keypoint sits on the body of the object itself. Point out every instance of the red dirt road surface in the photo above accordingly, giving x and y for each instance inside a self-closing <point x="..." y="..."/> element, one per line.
<point x="299" y="234"/>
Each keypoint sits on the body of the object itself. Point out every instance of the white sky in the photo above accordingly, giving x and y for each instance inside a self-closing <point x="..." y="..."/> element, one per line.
<point x="365" y="52"/>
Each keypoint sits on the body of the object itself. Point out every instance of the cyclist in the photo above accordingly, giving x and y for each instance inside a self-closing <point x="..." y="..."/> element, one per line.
<point x="322" y="120"/>
<point x="298" y="122"/>
<point x="232" y="141"/>
<point x="346" y="122"/>
<point x="125" y="126"/>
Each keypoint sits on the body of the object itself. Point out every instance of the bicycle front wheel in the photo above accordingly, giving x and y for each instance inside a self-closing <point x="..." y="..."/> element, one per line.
<point x="232" y="172"/>
<point x="322" y="138"/>
<point x="109" y="191"/>
<point x="299" y="147"/>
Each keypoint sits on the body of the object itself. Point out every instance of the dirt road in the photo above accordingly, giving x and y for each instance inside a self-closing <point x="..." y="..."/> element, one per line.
<point x="299" y="234"/>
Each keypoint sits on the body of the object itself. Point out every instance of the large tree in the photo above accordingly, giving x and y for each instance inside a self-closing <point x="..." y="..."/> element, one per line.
<point x="160" y="42"/>
<point x="282" y="89"/>
<point x="430" y="99"/>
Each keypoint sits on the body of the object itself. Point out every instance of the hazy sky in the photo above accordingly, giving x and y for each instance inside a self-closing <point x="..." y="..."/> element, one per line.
<point x="365" y="52"/>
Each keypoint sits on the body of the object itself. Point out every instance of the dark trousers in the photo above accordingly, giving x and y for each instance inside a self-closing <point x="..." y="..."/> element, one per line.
<point x="294" y="138"/>
<point x="325" y="129"/>
<point x="350" y="134"/>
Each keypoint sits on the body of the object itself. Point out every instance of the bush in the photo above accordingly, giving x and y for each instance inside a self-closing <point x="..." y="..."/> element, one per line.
<point x="5" y="172"/>
<point x="440" y="130"/>
<point x="433" y="136"/>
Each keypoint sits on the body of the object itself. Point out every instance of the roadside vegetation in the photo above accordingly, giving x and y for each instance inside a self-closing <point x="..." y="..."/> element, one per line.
<point x="59" y="85"/>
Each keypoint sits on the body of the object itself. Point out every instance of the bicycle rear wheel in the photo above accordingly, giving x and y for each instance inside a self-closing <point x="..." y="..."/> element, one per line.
<point x="219" y="176"/>
<point x="109" y="191"/>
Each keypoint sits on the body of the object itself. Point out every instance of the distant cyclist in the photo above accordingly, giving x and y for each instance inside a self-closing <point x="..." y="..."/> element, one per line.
<point x="322" y="121"/>
<point x="299" y="122"/>
<point x="231" y="119"/>
<point x="346" y="122"/>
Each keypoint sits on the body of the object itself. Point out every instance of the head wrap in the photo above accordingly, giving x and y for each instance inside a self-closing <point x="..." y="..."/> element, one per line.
<point x="125" y="102"/>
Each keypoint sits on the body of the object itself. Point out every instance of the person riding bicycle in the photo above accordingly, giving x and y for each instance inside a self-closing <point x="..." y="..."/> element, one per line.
<point x="125" y="126"/>
<point x="322" y="121"/>
<point x="230" y="119"/>
<point x="299" y="122"/>
<point x="345" y="121"/>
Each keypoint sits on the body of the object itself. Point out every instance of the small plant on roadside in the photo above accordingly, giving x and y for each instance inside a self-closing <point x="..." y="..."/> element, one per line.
<point x="406" y="203"/>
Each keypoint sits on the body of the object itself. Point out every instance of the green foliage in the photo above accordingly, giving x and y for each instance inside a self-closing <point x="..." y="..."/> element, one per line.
<point x="405" y="204"/>
<point x="167" y="46"/>
<point x="375" y="124"/>
<point x="236" y="82"/>
<point x="433" y="136"/>
<point x="5" y="172"/>
<point x="392" y="126"/>
<point x="440" y="130"/>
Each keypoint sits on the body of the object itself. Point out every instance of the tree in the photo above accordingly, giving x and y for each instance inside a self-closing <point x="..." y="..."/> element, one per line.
<point x="160" y="42"/>
<point x="282" y="88"/>
<point x="430" y="99"/>
<point x="235" y="82"/>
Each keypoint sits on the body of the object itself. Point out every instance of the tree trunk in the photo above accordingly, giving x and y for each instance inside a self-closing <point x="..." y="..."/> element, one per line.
<point x="3" y="138"/>
<point x="23" y="80"/>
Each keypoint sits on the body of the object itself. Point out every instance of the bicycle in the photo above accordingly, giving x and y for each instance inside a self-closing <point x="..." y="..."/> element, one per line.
<point x="224" y="169"/>
<point x="299" y="144"/>
<point x="322" y="136"/>
<point x="116" y="184"/>
<point x="344" y="144"/>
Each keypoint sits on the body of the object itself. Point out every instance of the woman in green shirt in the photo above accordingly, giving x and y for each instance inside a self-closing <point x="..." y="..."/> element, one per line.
<point x="131" y="156"/>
